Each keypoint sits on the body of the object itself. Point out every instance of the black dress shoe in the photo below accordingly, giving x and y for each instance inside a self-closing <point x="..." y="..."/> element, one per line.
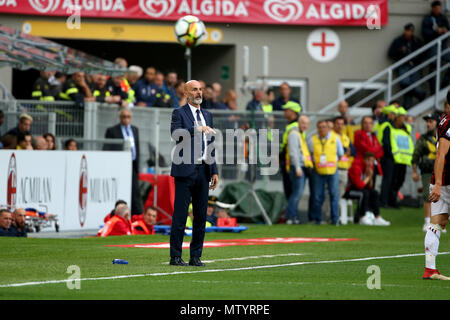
<point x="196" y="262"/>
<point x="177" y="261"/>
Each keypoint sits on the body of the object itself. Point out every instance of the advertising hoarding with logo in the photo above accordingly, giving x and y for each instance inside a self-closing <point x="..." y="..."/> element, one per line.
<point x="297" y="12"/>
<point x="79" y="187"/>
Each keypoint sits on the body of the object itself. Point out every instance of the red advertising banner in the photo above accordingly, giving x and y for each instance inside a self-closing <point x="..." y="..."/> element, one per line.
<point x="291" y="12"/>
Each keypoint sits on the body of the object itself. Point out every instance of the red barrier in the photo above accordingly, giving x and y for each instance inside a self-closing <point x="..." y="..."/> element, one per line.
<point x="166" y="194"/>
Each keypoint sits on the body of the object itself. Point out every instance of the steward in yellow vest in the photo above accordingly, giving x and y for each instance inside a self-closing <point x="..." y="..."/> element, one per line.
<point x="398" y="150"/>
<point x="291" y="112"/>
<point x="326" y="148"/>
<point x="346" y="160"/>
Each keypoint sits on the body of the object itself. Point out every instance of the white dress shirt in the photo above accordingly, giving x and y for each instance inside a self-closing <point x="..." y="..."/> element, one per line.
<point x="202" y="124"/>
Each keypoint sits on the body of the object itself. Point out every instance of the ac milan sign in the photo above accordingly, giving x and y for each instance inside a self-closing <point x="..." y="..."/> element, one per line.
<point x="83" y="191"/>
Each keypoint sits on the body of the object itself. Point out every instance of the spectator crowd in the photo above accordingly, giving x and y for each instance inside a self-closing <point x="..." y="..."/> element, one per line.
<point x="135" y="88"/>
<point x="345" y="158"/>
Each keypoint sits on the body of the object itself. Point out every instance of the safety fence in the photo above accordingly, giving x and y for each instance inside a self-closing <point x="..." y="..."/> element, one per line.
<point x="88" y="126"/>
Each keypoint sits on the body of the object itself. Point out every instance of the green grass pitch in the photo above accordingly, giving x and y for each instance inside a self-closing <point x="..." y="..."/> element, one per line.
<point x="39" y="260"/>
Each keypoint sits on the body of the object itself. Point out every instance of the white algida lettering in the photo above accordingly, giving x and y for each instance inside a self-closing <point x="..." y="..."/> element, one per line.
<point x="8" y="3"/>
<point x="97" y="5"/>
<point x="209" y="8"/>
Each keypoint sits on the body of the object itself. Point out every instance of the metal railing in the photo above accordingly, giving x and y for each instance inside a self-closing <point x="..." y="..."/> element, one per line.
<point x="391" y="90"/>
<point x="88" y="126"/>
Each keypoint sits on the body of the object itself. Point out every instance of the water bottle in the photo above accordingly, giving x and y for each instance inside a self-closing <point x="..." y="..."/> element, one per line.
<point x="120" y="261"/>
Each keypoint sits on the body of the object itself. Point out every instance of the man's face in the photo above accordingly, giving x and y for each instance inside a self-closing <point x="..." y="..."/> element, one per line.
<point x="447" y="108"/>
<point x="20" y="217"/>
<point x="436" y="10"/>
<point x="289" y="114"/>
<point x="339" y="125"/>
<point x="72" y="146"/>
<point x="171" y="78"/>
<point x="343" y="107"/>
<point x="159" y="80"/>
<point x="400" y="120"/>
<point x="217" y="87"/>
<point x="391" y="116"/>
<point x="101" y="80"/>
<point x="5" y="219"/>
<point x="24" y="125"/>
<point x="367" y="124"/>
<point x="209" y="93"/>
<point x="303" y="123"/>
<point x="150" y="217"/>
<point x="368" y="162"/>
<point x="323" y="129"/>
<point x="125" y="117"/>
<point x="210" y="211"/>
<point x="285" y="91"/>
<point x="78" y="77"/>
<point x="431" y="124"/>
<point x="41" y="143"/>
<point x="150" y="74"/>
<point x="258" y="95"/>
<point x="409" y="34"/>
<point x="117" y="80"/>
<point x="379" y="106"/>
<point x="193" y="92"/>
<point x="26" y="143"/>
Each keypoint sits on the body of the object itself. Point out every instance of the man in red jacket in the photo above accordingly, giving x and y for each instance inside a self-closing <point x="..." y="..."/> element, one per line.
<point x="366" y="141"/>
<point x="143" y="223"/>
<point x="361" y="181"/>
<point x="118" y="225"/>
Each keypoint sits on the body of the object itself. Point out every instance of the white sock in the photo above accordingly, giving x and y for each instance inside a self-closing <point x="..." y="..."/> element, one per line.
<point x="432" y="245"/>
<point x="427" y="220"/>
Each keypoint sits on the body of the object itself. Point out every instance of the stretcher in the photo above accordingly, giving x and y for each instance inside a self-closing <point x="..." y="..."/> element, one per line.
<point x="37" y="219"/>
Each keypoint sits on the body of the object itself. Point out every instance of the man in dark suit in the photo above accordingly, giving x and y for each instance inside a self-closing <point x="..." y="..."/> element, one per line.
<point x="193" y="168"/>
<point x="124" y="130"/>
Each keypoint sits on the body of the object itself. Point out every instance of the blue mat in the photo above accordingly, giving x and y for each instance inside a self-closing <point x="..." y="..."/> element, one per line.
<point x="164" y="229"/>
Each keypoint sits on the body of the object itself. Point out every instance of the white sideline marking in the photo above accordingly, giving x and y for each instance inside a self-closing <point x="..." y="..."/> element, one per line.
<point x="214" y="270"/>
<point x="251" y="257"/>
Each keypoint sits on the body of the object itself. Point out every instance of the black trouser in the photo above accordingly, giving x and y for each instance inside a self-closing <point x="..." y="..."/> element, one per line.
<point x="387" y="164"/>
<point x="136" y="200"/>
<point x="286" y="181"/>
<point x="369" y="202"/>
<point x="397" y="182"/>
<point x="197" y="187"/>
<point x="308" y="173"/>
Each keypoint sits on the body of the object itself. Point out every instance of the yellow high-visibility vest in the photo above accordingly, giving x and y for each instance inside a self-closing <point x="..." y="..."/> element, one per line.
<point x="345" y="161"/>
<point x="325" y="154"/>
<point x="267" y="108"/>
<point x="305" y="151"/>
<point x="380" y="130"/>
<point x="402" y="146"/>
<point x="286" y="133"/>
<point x="432" y="149"/>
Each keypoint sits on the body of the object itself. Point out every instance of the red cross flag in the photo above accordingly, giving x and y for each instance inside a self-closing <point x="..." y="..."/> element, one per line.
<point x="323" y="45"/>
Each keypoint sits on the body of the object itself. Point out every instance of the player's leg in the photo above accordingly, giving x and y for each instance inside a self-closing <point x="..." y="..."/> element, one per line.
<point x="439" y="219"/>
<point x="426" y="179"/>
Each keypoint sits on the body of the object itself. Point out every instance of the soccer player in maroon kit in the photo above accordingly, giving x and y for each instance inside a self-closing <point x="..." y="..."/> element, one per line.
<point x="439" y="197"/>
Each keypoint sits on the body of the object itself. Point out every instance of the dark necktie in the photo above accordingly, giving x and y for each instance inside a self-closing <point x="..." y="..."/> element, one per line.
<point x="133" y="149"/>
<point x="199" y="122"/>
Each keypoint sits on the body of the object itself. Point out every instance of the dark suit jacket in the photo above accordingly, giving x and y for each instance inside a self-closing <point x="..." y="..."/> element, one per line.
<point x="115" y="132"/>
<point x="182" y="118"/>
